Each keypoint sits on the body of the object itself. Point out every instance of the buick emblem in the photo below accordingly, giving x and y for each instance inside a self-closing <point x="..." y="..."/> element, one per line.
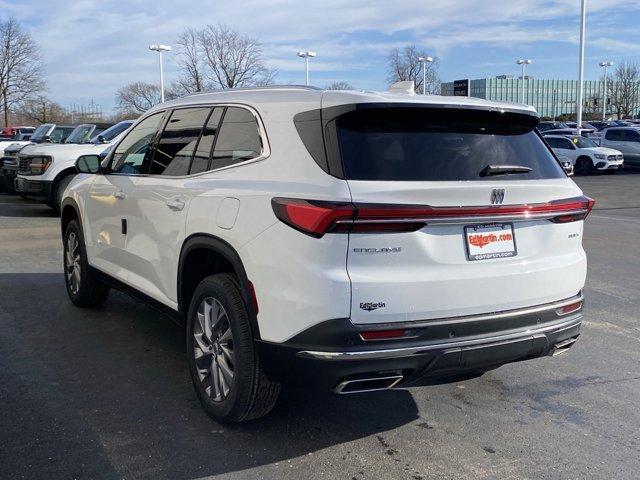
<point x="497" y="196"/>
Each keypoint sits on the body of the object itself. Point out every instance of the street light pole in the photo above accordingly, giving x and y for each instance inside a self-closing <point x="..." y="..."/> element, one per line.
<point x="306" y="55"/>
<point x="523" y="63"/>
<point x="583" y="17"/>
<point x="424" y="61"/>
<point x="606" y="65"/>
<point x="160" y="48"/>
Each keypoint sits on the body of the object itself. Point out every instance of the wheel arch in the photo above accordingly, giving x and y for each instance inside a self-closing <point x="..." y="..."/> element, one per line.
<point x="69" y="211"/>
<point x="59" y="176"/>
<point x="219" y="257"/>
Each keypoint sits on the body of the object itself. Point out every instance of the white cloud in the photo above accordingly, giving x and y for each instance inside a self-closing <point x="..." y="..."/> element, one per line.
<point x="91" y="48"/>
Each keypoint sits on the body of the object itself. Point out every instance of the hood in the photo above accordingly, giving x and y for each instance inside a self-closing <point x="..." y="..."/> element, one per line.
<point x="603" y="150"/>
<point x="63" y="149"/>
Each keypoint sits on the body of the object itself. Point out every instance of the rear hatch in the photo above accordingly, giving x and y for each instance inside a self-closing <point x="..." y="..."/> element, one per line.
<point x="458" y="212"/>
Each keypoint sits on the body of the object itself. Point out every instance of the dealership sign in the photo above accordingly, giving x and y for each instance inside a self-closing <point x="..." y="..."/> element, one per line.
<point x="461" y="88"/>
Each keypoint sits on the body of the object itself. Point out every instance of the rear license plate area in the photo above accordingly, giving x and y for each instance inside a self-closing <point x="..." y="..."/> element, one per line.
<point x="487" y="241"/>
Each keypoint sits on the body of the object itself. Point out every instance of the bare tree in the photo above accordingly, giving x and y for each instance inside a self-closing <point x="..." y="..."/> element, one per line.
<point x="624" y="89"/>
<point x="20" y="66"/>
<point x="41" y="110"/>
<point x="232" y="60"/>
<point x="339" y="85"/>
<point x="403" y="65"/>
<point x="137" y="98"/>
<point x="191" y="64"/>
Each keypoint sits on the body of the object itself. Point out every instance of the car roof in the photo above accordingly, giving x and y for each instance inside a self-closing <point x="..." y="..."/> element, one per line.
<point x="301" y="98"/>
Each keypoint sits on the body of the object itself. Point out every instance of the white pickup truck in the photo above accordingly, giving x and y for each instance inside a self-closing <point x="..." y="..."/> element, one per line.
<point x="45" y="170"/>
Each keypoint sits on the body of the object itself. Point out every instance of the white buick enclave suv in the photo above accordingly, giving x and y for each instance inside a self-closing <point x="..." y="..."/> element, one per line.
<point x="352" y="241"/>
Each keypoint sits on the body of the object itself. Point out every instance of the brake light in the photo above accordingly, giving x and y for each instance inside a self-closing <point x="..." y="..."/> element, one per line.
<point x="312" y="217"/>
<point x="315" y="217"/>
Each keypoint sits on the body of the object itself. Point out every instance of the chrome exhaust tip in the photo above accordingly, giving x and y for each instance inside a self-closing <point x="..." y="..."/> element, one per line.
<point x="562" y="347"/>
<point x="367" y="384"/>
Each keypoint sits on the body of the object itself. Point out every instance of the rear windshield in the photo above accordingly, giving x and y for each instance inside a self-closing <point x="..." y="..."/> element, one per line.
<point x="420" y="144"/>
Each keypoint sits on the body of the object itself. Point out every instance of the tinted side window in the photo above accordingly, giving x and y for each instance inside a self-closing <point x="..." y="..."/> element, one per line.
<point x="554" y="142"/>
<point x="131" y="151"/>
<point x="632" y="136"/>
<point x="177" y="143"/>
<point x="613" y="135"/>
<point x="238" y="138"/>
<point x="200" y="162"/>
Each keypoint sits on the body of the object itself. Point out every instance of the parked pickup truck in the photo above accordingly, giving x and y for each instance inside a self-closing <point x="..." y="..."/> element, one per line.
<point x="45" y="170"/>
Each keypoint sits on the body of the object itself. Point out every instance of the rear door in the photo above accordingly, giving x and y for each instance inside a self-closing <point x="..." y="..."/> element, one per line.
<point x="155" y="238"/>
<point x="441" y="231"/>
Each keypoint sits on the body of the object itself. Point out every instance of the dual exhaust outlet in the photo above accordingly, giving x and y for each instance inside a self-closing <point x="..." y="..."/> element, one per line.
<point x="372" y="383"/>
<point x="368" y="384"/>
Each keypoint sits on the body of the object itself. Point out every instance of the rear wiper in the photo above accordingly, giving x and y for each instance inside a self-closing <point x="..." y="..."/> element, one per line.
<point x="491" y="170"/>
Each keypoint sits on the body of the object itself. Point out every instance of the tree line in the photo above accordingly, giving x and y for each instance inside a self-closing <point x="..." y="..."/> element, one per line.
<point x="212" y="58"/>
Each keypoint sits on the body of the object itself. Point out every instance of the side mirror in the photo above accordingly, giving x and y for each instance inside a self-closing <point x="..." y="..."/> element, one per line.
<point x="88" y="164"/>
<point x="47" y="138"/>
<point x="101" y="139"/>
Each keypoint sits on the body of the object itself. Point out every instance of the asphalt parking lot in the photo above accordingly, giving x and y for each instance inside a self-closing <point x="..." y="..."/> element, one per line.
<point x="107" y="394"/>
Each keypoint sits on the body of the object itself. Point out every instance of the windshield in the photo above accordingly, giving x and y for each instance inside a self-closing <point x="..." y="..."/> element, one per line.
<point x="584" y="142"/>
<point x="41" y="132"/>
<point x="112" y="132"/>
<point x="421" y="144"/>
<point x="81" y="134"/>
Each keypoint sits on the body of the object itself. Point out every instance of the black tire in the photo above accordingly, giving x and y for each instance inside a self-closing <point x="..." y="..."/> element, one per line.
<point x="584" y="166"/>
<point x="58" y="190"/>
<point x="250" y="394"/>
<point x="89" y="292"/>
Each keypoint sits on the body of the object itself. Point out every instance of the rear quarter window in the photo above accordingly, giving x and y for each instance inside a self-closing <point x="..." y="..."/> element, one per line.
<point x="426" y="144"/>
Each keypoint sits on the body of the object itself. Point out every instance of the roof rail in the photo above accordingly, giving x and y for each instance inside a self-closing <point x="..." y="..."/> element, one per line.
<point x="264" y="87"/>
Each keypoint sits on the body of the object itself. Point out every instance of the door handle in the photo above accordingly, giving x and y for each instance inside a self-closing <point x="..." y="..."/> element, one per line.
<point x="175" y="205"/>
<point x="120" y="195"/>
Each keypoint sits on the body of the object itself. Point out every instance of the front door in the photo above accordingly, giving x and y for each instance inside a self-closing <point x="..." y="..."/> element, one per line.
<point x="111" y="205"/>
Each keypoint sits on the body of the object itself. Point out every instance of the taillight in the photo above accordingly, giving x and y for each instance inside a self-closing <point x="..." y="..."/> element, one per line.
<point x="316" y="217"/>
<point x="312" y="217"/>
<point x="573" y="209"/>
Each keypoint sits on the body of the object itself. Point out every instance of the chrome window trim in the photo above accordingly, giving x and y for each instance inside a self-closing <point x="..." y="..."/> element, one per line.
<point x="264" y="140"/>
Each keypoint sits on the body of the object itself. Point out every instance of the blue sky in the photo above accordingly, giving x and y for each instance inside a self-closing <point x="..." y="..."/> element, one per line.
<point x="92" y="48"/>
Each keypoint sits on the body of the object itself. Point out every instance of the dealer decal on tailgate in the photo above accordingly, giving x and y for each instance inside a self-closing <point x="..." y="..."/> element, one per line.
<point x="490" y="241"/>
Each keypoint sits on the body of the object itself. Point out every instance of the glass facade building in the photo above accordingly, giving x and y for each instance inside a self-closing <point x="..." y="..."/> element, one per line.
<point x="551" y="98"/>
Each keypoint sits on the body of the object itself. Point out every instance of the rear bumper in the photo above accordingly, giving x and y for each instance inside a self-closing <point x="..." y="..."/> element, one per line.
<point x="435" y="349"/>
<point x="37" y="189"/>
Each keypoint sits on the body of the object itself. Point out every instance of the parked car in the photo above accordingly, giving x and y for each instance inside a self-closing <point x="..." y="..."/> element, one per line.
<point x="625" y="139"/>
<point x="45" y="133"/>
<point x="16" y="133"/>
<point x="544" y="126"/>
<point x="87" y="132"/>
<point x="585" y="154"/>
<point x="599" y="125"/>
<point x="570" y="131"/>
<point x="45" y="170"/>
<point x="567" y="164"/>
<point x="353" y="241"/>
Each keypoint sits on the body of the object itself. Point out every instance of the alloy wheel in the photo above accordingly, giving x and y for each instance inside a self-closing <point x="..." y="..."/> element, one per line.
<point x="72" y="263"/>
<point x="214" y="349"/>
